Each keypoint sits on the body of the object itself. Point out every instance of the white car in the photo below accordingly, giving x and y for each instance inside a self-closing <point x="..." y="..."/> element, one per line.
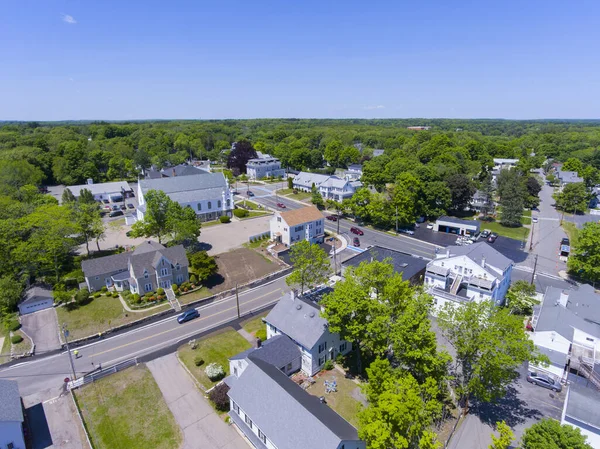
<point x="429" y="225"/>
<point x="534" y="219"/>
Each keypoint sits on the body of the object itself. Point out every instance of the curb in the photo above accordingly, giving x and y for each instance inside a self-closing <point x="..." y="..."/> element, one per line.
<point x="87" y="435"/>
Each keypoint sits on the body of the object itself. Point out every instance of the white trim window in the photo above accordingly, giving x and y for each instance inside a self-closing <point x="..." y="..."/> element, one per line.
<point x="148" y="287"/>
<point x="164" y="271"/>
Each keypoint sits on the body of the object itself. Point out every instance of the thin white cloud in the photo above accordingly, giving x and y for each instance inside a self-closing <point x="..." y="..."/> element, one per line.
<point x="370" y="108"/>
<point x="69" y="19"/>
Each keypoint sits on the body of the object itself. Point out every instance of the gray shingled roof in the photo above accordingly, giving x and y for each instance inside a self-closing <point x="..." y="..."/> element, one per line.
<point x="148" y="259"/>
<point x="289" y="416"/>
<point x="10" y="401"/>
<point x="278" y="350"/>
<point x="403" y="263"/>
<point x="584" y="405"/>
<point x="180" y="170"/>
<point x="37" y="293"/>
<point x="562" y="320"/>
<point x="103" y="265"/>
<point x="184" y="183"/>
<point x="299" y="320"/>
<point x="556" y="358"/>
<point x="477" y="251"/>
<point x="199" y="195"/>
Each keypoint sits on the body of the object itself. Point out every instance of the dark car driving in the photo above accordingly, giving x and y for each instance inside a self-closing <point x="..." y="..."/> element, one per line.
<point x="187" y="316"/>
<point x="544" y="381"/>
<point x="331" y="217"/>
<point x="356" y="231"/>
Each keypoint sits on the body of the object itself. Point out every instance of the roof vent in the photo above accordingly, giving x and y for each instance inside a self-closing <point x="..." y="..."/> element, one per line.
<point x="298" y="306"/>
<point x="311" y="314"/>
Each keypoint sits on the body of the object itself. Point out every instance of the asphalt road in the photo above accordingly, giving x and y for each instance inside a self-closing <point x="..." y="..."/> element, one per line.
<point x="48" y="373"/>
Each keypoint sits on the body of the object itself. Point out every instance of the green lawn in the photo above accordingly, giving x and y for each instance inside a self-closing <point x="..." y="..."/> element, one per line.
<point x="296" y="196"/>
<point x="127" y="410"/>
<point x="98" y="316"/>
<point x="572" y="232"/>
<point x="343" y="401"/>
<point x="513" y="233"/>
<point x="24" y="346"/>
<point x="257" y="244"/>
<point x="285" y="191"/>
<point x="214" y="349"/>
<point x="252" y="214"/>
<point x="255" y="324"/>
<point x="194" y="296"/>
<point x="208" y="224"/>
<point x="5" y="350"/>
<point x="249" y="205"/>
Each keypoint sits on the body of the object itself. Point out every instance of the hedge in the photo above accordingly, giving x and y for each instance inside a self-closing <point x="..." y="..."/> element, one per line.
<point x="13" y="325"/>
<point x="15" y="339"/>
<point x="240" y="213"/>
<point x="224" y="219"/>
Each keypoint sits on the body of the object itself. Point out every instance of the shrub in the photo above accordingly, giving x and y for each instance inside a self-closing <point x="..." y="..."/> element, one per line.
<point x="15" y="339"/>
<point x="160" y="291"/>
<point x="328" y="365"/>
<point x="340" y="359"/>
<point x="218" y="396"/>
<point x="13" y="325"/>
<point x="104" y="289"/>
<point x="174" y="287"/>
<point x="82" y="295"/>
<point x="97" y="294"/>
<point x="240" y="213"/>
<point x="262" y="334"/>
<point x="193" y="278"/>
<point x="115" y="294"/>
<point x="224" y="219"/>
<point x="214" y="372"/>
<point x="136" y="299"/>
<point x="152" y="298"/>
<point x="198" y="361"/>
<point x="147" y="295"/>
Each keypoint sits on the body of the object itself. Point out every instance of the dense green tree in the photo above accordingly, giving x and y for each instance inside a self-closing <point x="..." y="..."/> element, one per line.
<point x="462" y="191"/>
<point x="436" y="198"/>
<point x="490" y="345"/>
<point x="203" y="265"/>
<point x="572" y="164"/>
<point x="590" y="177"/>
<point x="156" y="221"/>
<point x="316" y="197"/>
<point x="17" y="173"/>
<point x="487" y="190"/>
<point x="183" y="224"/>
<point x="241" y="152"/>
<point x="88" y="221"/>
<point x="359" y="204"/>
<point x="10" y="294"/>
<point x="505" y="437"/>
<point x="584" y="260"/>
<point x="86" y="197"/>
<point x="520" y="298"/>
<point x="68" y="197"/>
<point x="550" y="434"/>
<point x="573" y="198"/>
<point x="512" y="205"/>
<point x="290" y="183"/>
<point x="332" y="153"/>
<point x="311" y="265"/>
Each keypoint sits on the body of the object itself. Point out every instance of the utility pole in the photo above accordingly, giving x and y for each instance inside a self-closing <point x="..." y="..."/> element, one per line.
<point x="237" y="299"/>
<point x="396" y="220"/>
<point x="534" y="268"/>
<point x="66" y="334"/>
<point x="531" y="241"/>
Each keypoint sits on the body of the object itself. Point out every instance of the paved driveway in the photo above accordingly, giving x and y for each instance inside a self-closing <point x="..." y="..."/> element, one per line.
<point x="42" y="327"/>
<point x="225" y="237"/>
<point x="201" y="426"/>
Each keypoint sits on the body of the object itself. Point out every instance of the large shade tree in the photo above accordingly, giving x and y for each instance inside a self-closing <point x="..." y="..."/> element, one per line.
<point x="239" y="156"/>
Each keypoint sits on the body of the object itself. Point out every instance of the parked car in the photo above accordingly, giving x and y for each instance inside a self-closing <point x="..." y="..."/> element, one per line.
<point x="130" y="206"/>
<point x="475" y="236"/>
<point x="281" y="205"/>
<point x="250" y="193"/>
<point x="429" y="225"/>
<point x="187" y="316"/>
<point x="108" y="208"/>
<point x="115" y="207"/>
<point x="123" y="207"/>
<point x="105" y="201"/>
<point x="331" y="217"/>
<point x="565" y="242"/>
<point x="485" y="234"/>
<point x="356" y="231"/>
<point x="235" y="192"/>
<point x="355" y="241"/>
<point x="492" y="238"/>
<point x="534" y="220"/>
<point x="544" y="381"/>
<point x="407" y="231"/>
<point x="115" y="213"/>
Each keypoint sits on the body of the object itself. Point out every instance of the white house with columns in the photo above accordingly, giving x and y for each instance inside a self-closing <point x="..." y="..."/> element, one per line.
<point x="208" y="194"/>
<point x="474" y="272"/>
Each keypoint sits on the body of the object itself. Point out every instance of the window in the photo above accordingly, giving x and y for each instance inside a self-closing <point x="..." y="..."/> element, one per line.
<point x="97" y="277"/>
<point x="236" y="408"/>
<point x="199" y="206"/>
<point x="288" y="368"/>
<point x="177" y="267"/>
<point x="164" y="271"/>
<point x="209" y="205"/>
<point x="163" y="262"/>
<point x="219" y="204"/>
<point x="235" y="371"/>
<point x="180" y="278"/>
<point x="148" y="287"/>
<point x="298" y="228"/>
<point x="248" y="421"/>
<point x="278" y="219"/>
<point x="343" y="347"/>
<point x="322" y="347"/>
<point x="145" y="274"/>
<point x="321" y="360"/>
<point x="262" y="436"/>
<point x="228" y="203"/>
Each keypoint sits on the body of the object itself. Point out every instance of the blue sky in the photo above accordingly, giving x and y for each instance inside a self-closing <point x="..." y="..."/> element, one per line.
<point x="246" y="59"/>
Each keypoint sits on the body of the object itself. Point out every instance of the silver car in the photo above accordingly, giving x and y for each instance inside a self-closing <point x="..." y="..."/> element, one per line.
<point x="544" y="381"/>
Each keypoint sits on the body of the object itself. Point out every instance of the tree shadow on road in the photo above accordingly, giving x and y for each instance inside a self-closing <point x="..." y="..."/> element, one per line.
<point x="510" y="409"/>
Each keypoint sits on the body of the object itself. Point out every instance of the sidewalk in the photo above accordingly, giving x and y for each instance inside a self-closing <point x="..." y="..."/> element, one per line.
<point x="200" y="424"/>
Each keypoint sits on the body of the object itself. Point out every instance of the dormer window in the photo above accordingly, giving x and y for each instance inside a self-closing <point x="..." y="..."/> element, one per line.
<point x="177" y="267"/>
<point x="163" y="262"/>
<point x="146" y="274"/>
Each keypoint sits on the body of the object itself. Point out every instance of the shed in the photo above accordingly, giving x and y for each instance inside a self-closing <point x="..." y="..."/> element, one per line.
<point x="37" y="297"/>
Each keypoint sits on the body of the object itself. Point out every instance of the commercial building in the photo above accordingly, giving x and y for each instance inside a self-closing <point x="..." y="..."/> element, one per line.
<point x="474" y="272"/>
<point x="264" y="167"/>
<point x="207" y="194"/>
<point x="296" y="225"/>
<point x="456" y="226"/>
<point x="112" y="191"/>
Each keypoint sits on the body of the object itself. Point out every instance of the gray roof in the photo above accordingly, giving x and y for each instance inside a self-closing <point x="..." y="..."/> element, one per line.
<point x="37" y="293"/>
<point x="185" y="183"/>
<point x="101" y="188"/>
<point x="403" y="263"/>
<point x="298" y="319"/>
<point x="104" y="265"/>
<point x="289" y="416"/>
<point x="583" y="405"/>
<point x="355" y="167"/>
<point x="307" y="179"/>
<point x="377" y="152"/>
<point x="480" y="250"/>
<point x="178" y="170"/>
<point x="568" y="177"/>
<point x="459" y="221"/>
<point x="198" y="195"/>
<point x="278" y="350"/>
<point x="10" y="401"/>
<point x="556" y="358"/>
<point x="436" y="269"/>
<point x="554" y="317"/>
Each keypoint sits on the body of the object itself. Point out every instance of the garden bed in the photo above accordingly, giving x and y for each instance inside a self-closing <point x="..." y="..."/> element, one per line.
<point x="216" y="348"/>
<point x="24" y="346"/>
<point x="127" y="410"/>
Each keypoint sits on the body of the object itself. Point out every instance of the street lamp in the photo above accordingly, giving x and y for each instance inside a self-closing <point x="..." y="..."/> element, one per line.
<point x="66" y="334"/>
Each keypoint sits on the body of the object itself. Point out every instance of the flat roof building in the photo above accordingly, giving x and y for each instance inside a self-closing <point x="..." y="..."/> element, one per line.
<point x="457" y="226"/>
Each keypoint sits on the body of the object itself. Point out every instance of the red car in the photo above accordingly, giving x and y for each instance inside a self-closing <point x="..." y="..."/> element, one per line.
<point x="356" y="231"/>
<point x="331" y="217"/>
<point x="356" y="242"/>
<point x="281" y="205"/>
